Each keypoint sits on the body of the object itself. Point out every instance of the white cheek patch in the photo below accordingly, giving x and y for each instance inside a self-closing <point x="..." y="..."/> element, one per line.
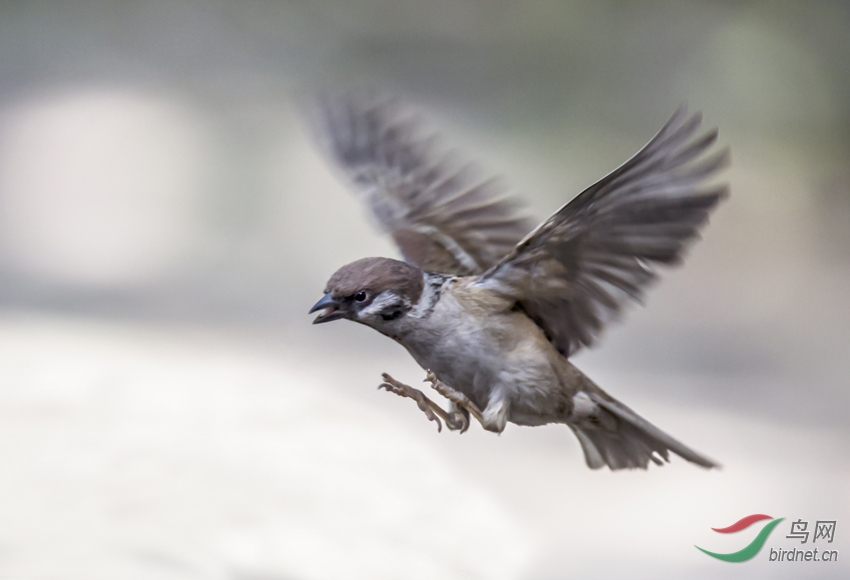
<point x="381" y="304"/>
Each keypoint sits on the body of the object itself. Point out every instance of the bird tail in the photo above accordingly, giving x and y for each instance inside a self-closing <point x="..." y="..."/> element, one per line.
<point x="612" y="434"/>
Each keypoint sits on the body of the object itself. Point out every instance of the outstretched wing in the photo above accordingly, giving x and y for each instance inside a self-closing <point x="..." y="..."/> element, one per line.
<point x="576" y="270"/>
<point x="442" y="213"/>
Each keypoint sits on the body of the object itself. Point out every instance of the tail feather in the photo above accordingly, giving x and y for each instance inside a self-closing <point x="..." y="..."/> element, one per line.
<point x="658" y="439"/>
<point x="612" y="434"/>
<point x="592" y="456"/>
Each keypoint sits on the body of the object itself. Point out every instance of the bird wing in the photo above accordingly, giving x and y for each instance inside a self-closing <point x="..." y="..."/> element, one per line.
<point x="443" y="214"/>
<point x="576" y="270"/>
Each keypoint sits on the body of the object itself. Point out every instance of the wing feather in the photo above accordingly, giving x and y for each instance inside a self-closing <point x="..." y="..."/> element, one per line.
<point x="576" y="270"/>
<point x="443" y="213"/>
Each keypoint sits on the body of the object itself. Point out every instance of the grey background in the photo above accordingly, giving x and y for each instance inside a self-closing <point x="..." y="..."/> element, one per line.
<point x="165" y="223"/>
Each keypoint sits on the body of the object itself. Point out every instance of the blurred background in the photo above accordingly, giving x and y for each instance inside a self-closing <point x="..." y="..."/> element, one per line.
<point x="166" y="408"/>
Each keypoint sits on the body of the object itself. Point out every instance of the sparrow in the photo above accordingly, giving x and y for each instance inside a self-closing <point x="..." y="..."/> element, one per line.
<point x="492" y="308"/>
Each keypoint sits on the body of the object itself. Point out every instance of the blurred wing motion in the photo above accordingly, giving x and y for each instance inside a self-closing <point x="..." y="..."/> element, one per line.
<point x="442" y="214"/>
<point x="575" y="271"/>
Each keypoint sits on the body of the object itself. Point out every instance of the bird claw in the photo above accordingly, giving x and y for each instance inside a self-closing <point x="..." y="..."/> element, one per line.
<point x="460" y="418"/>
<point x="463" y="407"/>
<point x="456" y="420"/>
<point x="426" y="405"/>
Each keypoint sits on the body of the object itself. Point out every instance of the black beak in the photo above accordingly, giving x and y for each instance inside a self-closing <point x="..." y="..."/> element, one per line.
<point x="331" y="307"/>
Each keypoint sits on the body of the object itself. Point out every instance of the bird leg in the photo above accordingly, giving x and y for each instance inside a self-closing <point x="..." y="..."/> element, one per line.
<point x="431" y="409"/>
<point x="460" y="402"/>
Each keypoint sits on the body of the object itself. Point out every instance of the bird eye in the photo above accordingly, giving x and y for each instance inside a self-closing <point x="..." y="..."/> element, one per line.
<point x="360" y="296"/>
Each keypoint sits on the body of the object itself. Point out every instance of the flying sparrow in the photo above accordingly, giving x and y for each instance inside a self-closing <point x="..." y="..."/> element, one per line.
<point x="494" y="309"/>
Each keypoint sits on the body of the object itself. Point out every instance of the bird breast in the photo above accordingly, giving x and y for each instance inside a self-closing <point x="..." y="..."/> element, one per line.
<point x="475" y="341"/>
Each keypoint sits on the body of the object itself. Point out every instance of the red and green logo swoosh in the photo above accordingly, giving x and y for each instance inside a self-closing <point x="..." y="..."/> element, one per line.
<point x="753" y="547"/>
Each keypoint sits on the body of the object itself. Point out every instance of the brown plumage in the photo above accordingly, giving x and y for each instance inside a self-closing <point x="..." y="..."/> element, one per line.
<point x="576" y="270"/>
<point x="376" y="275"/>
<point x="492" y="311"/>
<point x="443" y="212"/>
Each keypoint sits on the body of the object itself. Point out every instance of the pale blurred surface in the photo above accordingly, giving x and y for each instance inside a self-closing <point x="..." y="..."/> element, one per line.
<point x="165" y="223"/>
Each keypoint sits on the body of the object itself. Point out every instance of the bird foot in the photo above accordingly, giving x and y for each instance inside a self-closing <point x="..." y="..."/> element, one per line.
<point x="463" y="407"/>
<point x="431" y="409"/>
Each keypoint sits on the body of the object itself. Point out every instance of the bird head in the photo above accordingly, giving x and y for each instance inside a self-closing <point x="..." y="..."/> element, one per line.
<point x="371" y="291"/>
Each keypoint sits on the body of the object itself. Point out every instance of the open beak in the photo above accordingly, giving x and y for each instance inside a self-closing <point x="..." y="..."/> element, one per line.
<point x="330" y="309"/>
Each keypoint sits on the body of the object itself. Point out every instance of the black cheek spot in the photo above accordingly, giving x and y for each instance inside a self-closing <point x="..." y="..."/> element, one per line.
<point x="392" y="315"/>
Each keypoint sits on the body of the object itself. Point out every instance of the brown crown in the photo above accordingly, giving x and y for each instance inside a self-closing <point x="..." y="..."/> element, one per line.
<point x="377" y="275"/>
